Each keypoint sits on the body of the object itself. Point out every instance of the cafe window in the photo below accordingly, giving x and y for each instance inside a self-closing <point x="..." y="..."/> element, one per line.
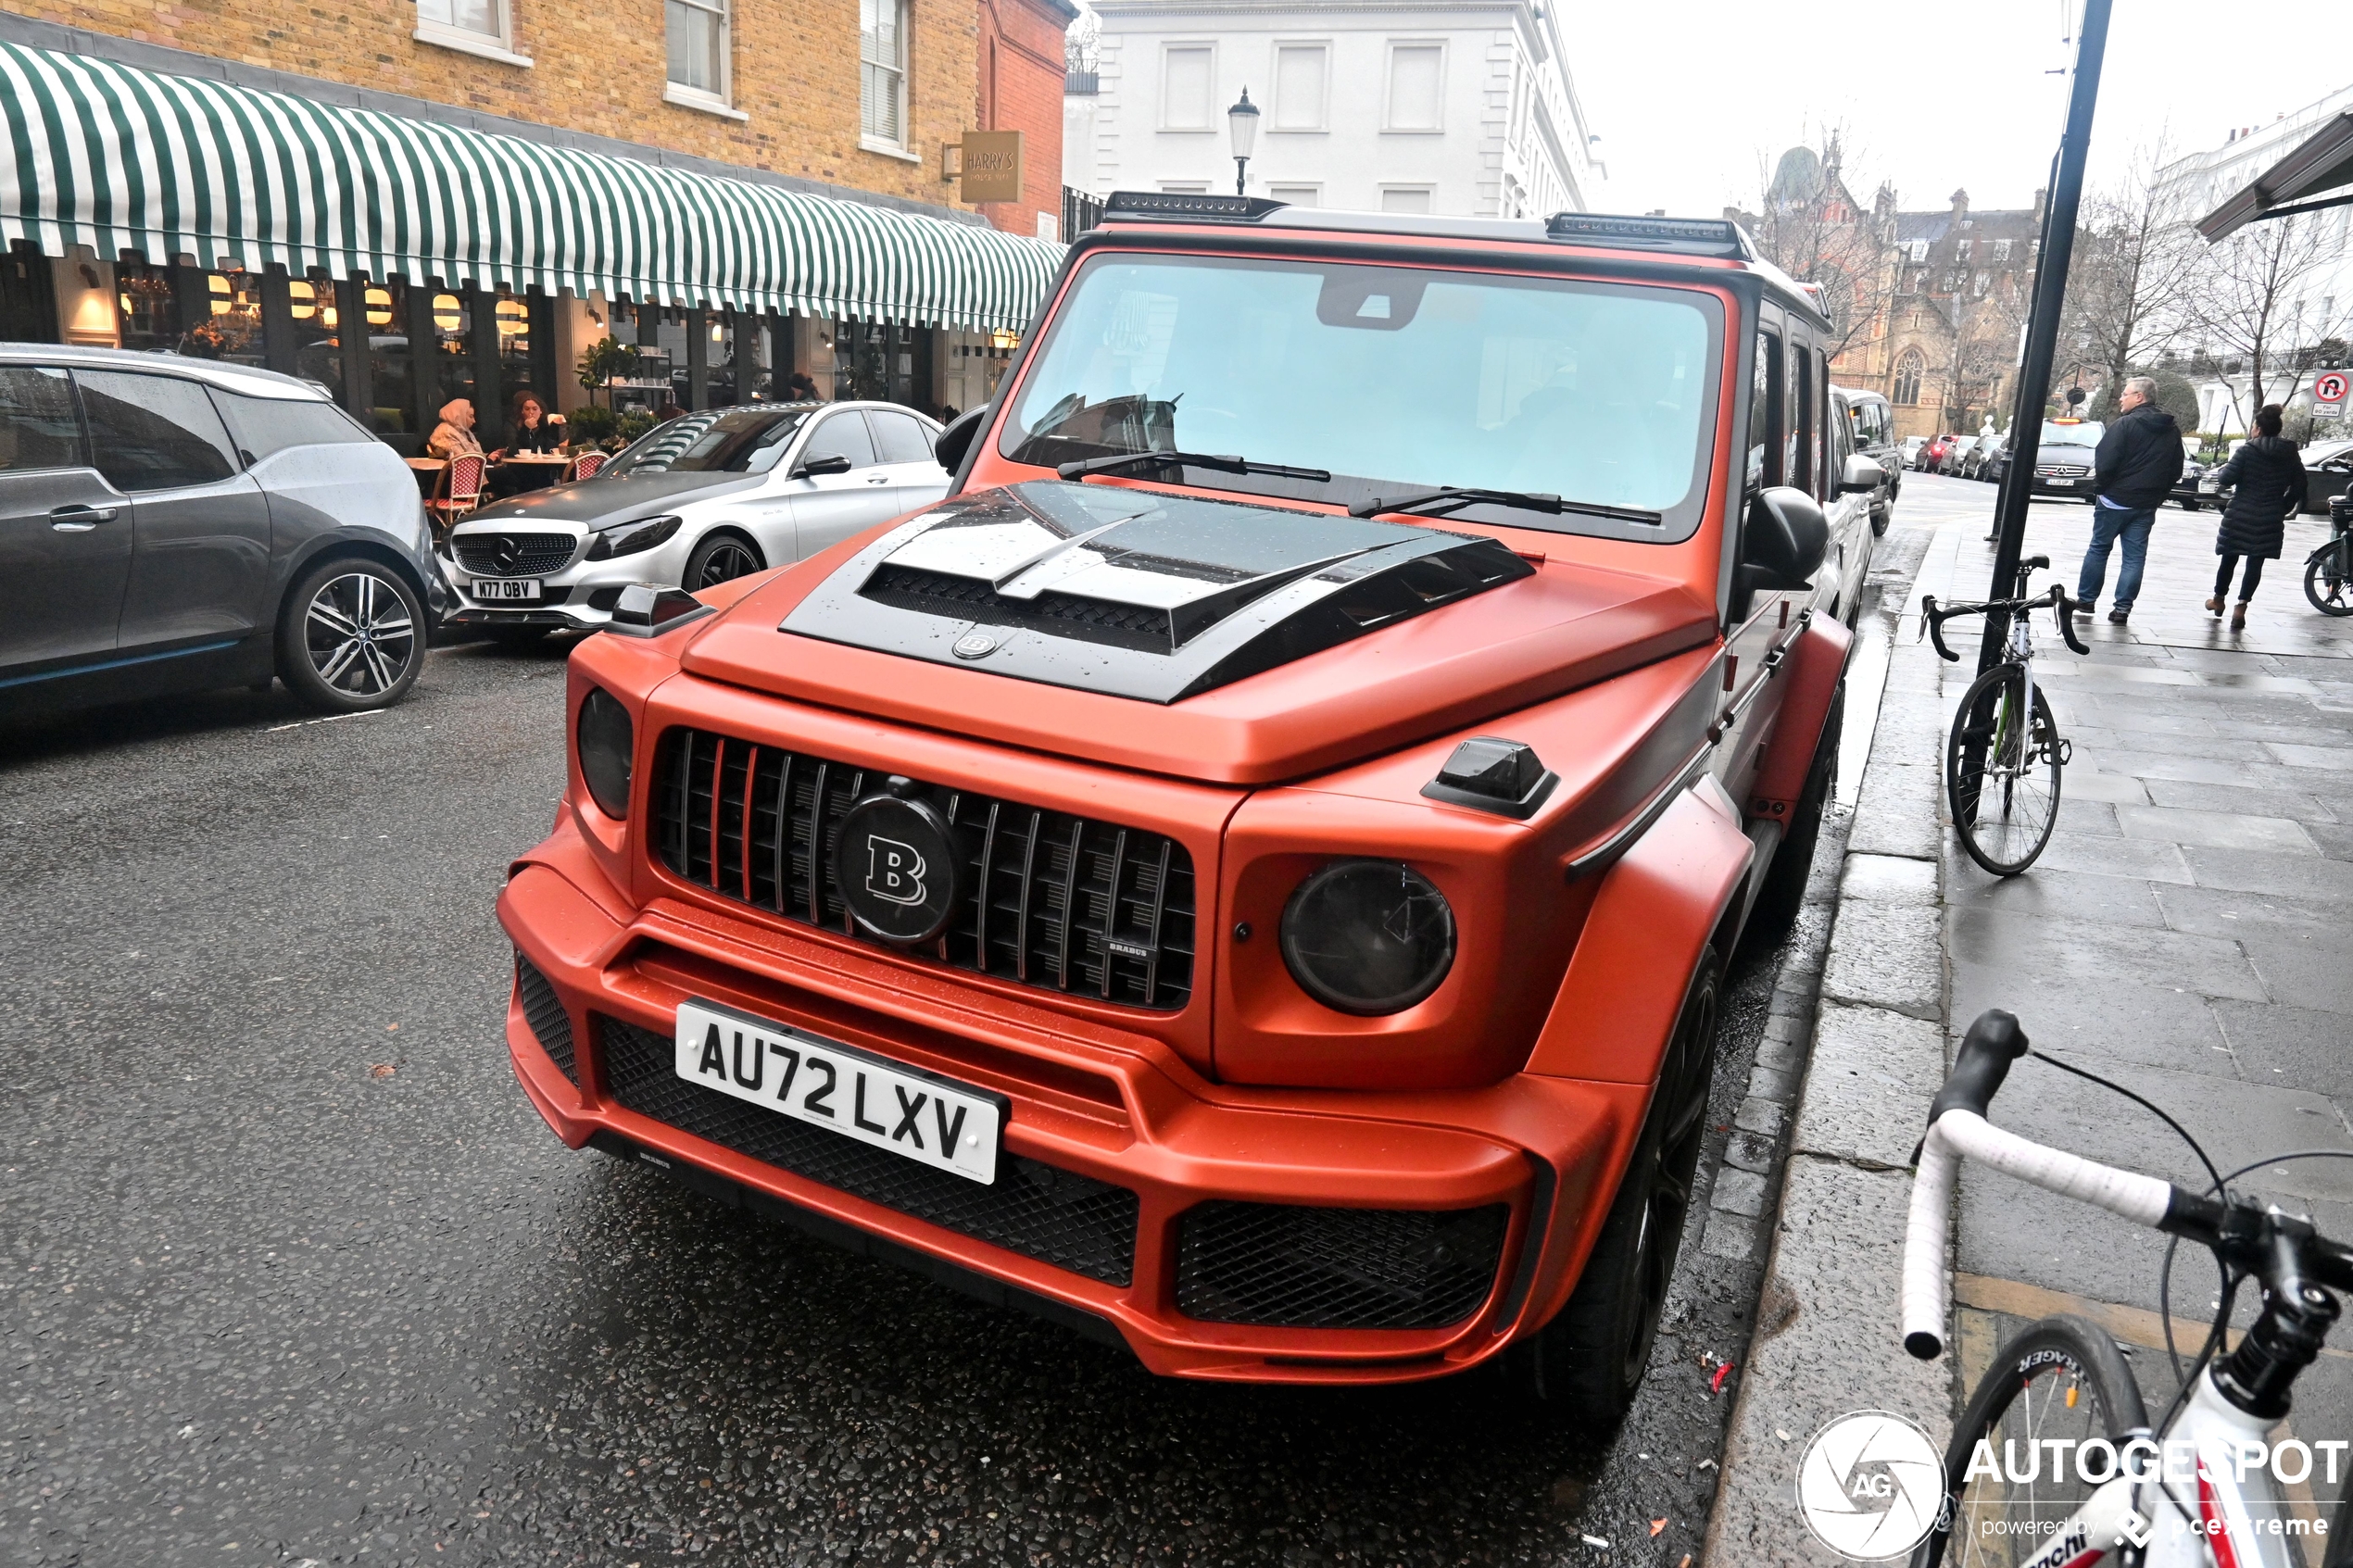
<point x="230" y="328"/>
<point x="317" y="344"/>
<point x="150" y="309"/>
<point x="698" y="63"/>
<point x="882" y="73"/>
<point x="392" y="384"/>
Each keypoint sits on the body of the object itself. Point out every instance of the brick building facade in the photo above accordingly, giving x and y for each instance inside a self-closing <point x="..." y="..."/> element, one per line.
<point x="1019" y="60"/>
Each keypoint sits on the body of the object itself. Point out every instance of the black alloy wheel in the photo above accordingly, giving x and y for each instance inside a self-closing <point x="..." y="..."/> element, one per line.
<point x="351" y="637"/>
<point x="1591" y="1359"/>
<point x="721" y="559"/>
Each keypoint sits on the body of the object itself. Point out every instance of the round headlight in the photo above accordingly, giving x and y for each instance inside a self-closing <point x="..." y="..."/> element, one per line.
<point x="1368" y="937"/>
<point x="606" y="740"/>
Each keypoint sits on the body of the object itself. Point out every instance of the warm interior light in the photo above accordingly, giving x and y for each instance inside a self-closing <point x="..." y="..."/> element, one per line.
<point x="224" y="301"/>
<point x="513" y="318"/>
<point x="718" y="332"/>
<point x="1002" y="339"/>
<point x="379" y="308"/>
<point x="305" y="298"/>
<point x="126" y="303"/>
<point x="327" y="317"/>
<point x="445" y="312"/>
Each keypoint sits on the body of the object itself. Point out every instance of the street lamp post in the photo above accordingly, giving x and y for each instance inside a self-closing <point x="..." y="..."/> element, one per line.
<point x="1243" y="121"/>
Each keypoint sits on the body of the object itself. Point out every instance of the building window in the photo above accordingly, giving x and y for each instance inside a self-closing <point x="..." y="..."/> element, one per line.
<point x="1404" y="198"/>
<point x="1184" y="187"/>
<point x="477" y="27"/>
<point x="1908" y="377"/>
<point x="1300" y="76"/>
<point x="1297" y="195"/>
<point x="881" y="72"/>
<point x="1919" y="250"/>
<point x="1417" y="87"/>
<point x="698" y="47"/>
<point x="2001" y="250"/>
<point x="1960" y="249"/>
<point x="1186" y="73"/>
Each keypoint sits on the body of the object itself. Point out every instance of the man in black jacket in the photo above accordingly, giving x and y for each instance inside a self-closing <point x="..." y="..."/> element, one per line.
<point x="2139" y="460"/>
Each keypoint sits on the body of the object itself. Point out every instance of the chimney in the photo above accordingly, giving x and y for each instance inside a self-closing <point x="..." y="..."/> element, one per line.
<point x="1960" y="205"/>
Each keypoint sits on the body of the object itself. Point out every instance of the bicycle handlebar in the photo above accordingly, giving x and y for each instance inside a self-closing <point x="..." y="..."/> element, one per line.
<point x="1933" y="615"/>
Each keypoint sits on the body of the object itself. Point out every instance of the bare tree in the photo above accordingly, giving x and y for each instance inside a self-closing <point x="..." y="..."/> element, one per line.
<point x="2255" y="301"/>
<point x="1808" y="224"/>
<point x="2135" y="271"/>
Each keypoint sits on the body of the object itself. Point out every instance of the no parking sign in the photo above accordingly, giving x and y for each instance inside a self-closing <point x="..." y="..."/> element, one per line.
<point x="2328" y="394"/>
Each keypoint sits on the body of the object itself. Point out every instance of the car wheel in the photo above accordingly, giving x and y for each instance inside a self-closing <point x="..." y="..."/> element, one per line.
<point x="351" y="637"/>
<point x="720" y="557"/>
<point x="1591" y="1359"/>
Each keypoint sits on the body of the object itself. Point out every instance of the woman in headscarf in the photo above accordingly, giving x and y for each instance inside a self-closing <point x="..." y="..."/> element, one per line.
<point x="454" y="436"/>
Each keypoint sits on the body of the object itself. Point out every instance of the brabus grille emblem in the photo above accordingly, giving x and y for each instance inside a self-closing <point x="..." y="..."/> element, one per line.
<point x="978" y="645"/>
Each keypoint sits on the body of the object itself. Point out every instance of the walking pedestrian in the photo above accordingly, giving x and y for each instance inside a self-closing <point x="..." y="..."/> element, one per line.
<point x="2139" y="460"/>
<point x="2266" y="480"/>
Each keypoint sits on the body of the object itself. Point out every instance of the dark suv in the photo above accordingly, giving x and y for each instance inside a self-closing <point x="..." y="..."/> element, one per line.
<point x="173" y="524"/>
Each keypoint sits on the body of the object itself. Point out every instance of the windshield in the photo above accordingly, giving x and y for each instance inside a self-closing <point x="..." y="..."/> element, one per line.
<point x="1392" y="379"/>
<point x="720" y="441"/>
<point x="2081" y="433"/>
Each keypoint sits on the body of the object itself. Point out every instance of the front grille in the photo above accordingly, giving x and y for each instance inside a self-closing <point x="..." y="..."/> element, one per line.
<point x="1288" y="1267"/>
<point x="550" y="1025"/>
<point x="1065" y="903"/>
<point x="514" y="555"/>
<point x="1038" y="1211"/>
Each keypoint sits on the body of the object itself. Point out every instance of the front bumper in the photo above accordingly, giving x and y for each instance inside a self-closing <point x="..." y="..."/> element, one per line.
<point x="1137" y="1197"/>
<point x="2064" y="484"/>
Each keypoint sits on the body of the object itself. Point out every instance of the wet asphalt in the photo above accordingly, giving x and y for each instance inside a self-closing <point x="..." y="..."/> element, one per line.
<point x="293" y="1273"/>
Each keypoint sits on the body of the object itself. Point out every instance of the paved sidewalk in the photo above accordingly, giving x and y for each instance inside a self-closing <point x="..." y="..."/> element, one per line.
<point x="2188" y="933"/>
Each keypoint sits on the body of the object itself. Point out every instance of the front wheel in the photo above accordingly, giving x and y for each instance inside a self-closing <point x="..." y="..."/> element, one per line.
<point x="2326" y="582"/>
<point x="2001" y="772"/>
<point x="351" y="637"/>
<point x="1591" y="1359"/>
<point x="2062" y="1378"/>
<point x="722" y="557"/>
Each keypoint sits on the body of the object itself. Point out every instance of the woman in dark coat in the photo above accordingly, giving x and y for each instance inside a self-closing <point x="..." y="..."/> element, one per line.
<point x="2267" y="483"/>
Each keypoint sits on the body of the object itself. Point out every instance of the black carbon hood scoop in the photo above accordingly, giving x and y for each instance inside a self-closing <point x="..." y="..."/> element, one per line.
<point x="1135" y="592"/>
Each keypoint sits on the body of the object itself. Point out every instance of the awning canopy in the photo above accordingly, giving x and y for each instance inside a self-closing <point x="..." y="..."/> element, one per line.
<point x="119" y="158"/>
<point x="2319" y="164"/>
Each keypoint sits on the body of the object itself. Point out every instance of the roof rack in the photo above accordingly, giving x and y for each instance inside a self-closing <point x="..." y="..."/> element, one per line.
<point x="1191" y="206"/>
<point x="1685" y="236"/>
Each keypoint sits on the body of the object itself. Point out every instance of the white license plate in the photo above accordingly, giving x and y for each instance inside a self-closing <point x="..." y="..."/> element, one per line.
<point x="918" y="1115"/>
<point x="526" y="589"/>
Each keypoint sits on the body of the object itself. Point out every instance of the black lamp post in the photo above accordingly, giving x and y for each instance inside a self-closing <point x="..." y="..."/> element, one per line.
<point x="1243" y="121"/>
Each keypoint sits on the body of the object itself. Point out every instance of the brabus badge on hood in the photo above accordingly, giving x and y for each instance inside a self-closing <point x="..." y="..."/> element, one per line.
<point x="974" y="644"/>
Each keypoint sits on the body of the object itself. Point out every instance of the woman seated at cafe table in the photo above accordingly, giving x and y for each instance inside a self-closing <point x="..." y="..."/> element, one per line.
<point x="533" y="433"/>
<point x="454" y="436"/>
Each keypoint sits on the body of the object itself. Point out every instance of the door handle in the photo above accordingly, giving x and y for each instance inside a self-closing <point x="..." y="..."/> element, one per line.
<point x="81" y="520"/>
<point x="878" y="479"/>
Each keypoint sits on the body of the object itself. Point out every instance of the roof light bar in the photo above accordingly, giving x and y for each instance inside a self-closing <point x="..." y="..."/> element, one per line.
<point x="1188" y="204"/>
<point x="1688" y="236"/>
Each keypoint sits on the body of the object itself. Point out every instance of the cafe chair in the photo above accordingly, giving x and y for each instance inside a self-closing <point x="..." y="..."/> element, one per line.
<point x="458" y="492"/>
<point x="588" y="465"/>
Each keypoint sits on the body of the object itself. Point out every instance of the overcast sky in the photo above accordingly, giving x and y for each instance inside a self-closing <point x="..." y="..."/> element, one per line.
<point x="1687" y="97"/>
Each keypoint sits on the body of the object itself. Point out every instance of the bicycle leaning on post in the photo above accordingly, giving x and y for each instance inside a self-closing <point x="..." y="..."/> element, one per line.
<point x="2004" y="759"/>
<point x="2055" y="1464"/>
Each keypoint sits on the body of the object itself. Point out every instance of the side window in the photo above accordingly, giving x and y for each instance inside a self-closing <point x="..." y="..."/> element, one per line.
<point x="39" y="427"/>
<point x="1766" y="414"/>
<point x="154" y="432"/>
<point x="842" y="434"/>
<point x="263" y="427"/>
<point x="1824" y="460"/>
<point x="1802" y="432"/>
<point x="897" y="438"/>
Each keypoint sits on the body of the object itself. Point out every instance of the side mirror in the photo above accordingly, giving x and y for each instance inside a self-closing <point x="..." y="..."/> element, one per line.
<point x="955" y="443"/>
<point x="1785" y="540"/>
<point x="832" y="462"/>
<point x="1862" y="476"/>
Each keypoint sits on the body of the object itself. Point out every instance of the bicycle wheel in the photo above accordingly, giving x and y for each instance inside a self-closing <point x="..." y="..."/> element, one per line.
<point x="2002" y="774"/>
<point x="2327" y="583"/>
<point x="2060" y="1378"/>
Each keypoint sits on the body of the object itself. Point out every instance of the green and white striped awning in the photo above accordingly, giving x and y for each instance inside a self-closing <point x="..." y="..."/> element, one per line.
<point x="123" y="160"/>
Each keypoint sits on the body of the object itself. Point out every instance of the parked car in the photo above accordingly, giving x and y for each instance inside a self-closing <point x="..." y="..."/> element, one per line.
<point x="1932" y="453"/>
<point x="172" y="524"/>
<point x="2064" y="460"/>
<point x="1912" y="444"/>
<point x="1956" y="450"/>
<point x="2187" y="490"/>
<point x="692" y="503"/>
<point x="1286" y="942"/>
<point x="1977" y="462"/>
<point x="2328" y="473"/>
<point x="1871" y="423"/>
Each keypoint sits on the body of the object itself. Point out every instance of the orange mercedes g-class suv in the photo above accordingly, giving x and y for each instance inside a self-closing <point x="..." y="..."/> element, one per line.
<point x="1249" y="873"/>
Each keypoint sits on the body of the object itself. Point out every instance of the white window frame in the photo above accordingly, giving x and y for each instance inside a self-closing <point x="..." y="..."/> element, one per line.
<point x="1172" y="45"/>
<point x="903" y="146"/>
<point x="719" y="103"/>
<point x="1389" y="86"/>
<point x="1323" y="116"/>
<point x="1426" y="187"/>
<point x="499" y="46"/>
<point x="1184" y="187"/>
<point x="1315" y="191"/>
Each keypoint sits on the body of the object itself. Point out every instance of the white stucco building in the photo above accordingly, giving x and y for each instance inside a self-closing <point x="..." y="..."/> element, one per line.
<point x="1465" y="109"/>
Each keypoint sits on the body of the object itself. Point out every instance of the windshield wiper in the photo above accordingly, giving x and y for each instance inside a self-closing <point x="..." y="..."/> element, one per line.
<point x="1455" y="497"/>
<point x="1226" y="464"/>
